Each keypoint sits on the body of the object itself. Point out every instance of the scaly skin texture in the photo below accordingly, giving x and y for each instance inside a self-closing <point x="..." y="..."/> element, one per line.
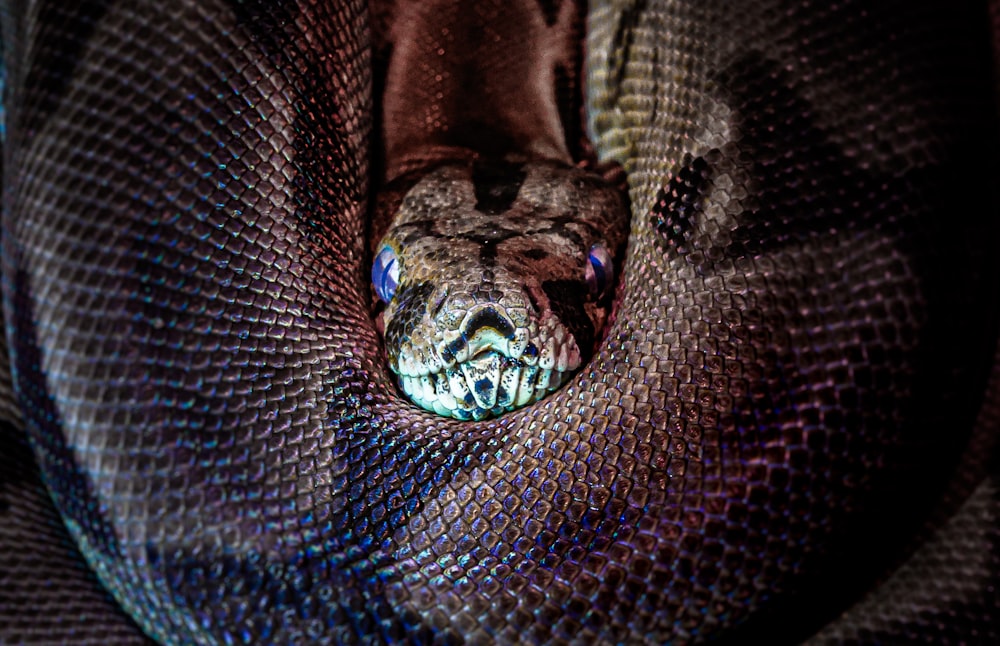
<point x="787" y="433"/>
<point x="491" y="226"/>
<point x="494" y="310"/>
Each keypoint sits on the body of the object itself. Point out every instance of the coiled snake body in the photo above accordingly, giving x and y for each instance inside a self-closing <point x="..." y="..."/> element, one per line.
<point x="786" y="433"/>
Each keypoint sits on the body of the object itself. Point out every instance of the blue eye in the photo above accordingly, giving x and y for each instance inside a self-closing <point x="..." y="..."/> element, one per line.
<point x="600" y="271"/>
<point x="385" y="274"/>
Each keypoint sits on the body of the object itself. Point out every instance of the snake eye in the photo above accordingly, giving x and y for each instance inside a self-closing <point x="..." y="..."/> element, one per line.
<point x="600" y="271"/>
<point x="385" y="274"/>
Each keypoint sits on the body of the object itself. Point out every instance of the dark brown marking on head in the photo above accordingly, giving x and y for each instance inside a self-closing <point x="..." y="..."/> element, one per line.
<point x="566" y="299"/>
<point x="550" y="9"/>
<point x="416" y="230"/>
<point x="488" y="253"/>
<point x="496" y="185"/>
<point x="564" y="225"/>
<point x="535" y="254"/>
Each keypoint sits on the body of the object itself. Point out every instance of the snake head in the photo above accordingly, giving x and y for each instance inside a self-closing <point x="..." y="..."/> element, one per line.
<point x="497" y="280"/>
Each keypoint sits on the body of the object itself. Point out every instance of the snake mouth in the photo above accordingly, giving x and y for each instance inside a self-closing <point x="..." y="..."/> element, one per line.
<point x="487" y="365"/>
<point x="485" y="385"/>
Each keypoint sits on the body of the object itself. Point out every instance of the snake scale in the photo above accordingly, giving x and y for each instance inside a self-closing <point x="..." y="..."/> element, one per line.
<point x="786" y="435"/>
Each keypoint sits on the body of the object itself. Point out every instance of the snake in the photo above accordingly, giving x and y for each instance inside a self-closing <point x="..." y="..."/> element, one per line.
<point x="783" y="431"/>
<point x="497" y="266"/>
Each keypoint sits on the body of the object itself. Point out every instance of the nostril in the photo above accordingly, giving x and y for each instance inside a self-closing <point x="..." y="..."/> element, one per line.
<point x="487" y="317"/>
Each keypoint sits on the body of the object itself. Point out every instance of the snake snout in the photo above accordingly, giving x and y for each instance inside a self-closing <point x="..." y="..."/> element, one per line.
<point x="489" y="365"/>
<point x="487" y="327"/>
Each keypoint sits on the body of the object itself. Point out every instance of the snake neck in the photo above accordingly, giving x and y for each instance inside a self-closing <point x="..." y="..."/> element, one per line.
<point x="491" y="77"/>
